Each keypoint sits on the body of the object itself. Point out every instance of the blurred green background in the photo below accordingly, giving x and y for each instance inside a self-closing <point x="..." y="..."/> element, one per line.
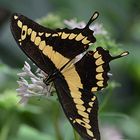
<point x="44" y="119"/>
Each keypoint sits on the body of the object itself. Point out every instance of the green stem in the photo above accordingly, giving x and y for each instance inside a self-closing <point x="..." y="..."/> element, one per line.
<point x="6" y="128"/>
<point x="56" y="125"/>
<point x="107" y="97"/>
<point x="76" y="135"/>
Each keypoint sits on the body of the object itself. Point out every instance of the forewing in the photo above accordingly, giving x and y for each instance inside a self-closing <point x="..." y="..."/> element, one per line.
<point x="42" y="44"/>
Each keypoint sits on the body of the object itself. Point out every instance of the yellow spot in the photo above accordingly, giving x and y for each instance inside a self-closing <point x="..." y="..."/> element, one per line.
<point x="91" y="103"/>
<point x="47" y="51"/>
<point x="99" y="76"/>
<point x="84" y="114"/>
<point x="40" y="33"/>
<point x="33" y="36"/>
<point x="124" y="53"/>
<point x="99" y="69"/>
<point x="93" y="99"/>
<point x="47" y="34"/>
<point x="99" y="61"/>
<point x="85" y="41"/>
<point x="42" y="45"/>
<point x="94" y="89"/>
<point x="15" y="17"/>
<point x="20" y="43"/>
<point x="72" y="36"/>
<point x="96" y="55"/>
<point x="59" y="33"/>
<point x="75" y="93"/>
<point x="84" y="124"/>
<point x="100" y="83"/>
<point x="71" y="119"/>
<point x="89" y="109"/>
<point x="29" y="31"/>
<point x="37" y="41"/>
<point x="53" y="35"/>
<point x="79" y="37"/>
<point x="95" y="16"/>
<point x="90" y="133"/>
<point x="78" y="101"/>
<point x="80" y="107"/>
<point x="19" y="23"/>
<point x="64" y="35"/>
<point x="86" y="120"/>
<point x="24" y="32"/>
<point x="74" y="121"/>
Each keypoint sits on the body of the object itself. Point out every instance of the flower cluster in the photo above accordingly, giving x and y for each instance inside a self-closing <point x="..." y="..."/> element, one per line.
<point x="31" y="84"/>
<point x="97" y="28"/>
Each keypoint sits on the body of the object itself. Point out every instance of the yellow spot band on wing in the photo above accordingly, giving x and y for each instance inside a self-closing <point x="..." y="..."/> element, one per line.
<point x="53" y="35"/>
<point x="89" y="110"/>
<point x="99" y="69"/>
<point x="42" y="45"/>
<point x="33" y="36"/>
<point x="80" y="107"/>
<point x="47" y="34"/>
<point x="29" y="31"/>
<point x="91" y="104"/>
<point x="86" y="120"/>
<point x="79" y="37"/>
<point x="72" y="36"/>
<point x="83" y="123"/>
<point x="90" y="132"/>
<point x="100" y="83"/>
<point x="99" y="61"/>
<point x="64" y="35"/>
<point x="78" y="101"/>
<point x="94" y="89"/>
<point x="37" y="41"/>
<point x="19" y="23"/>
<point x="15" y="17"/>
<point x="40" y="33"/>
<point x="85" y="41"/>
<point x="96" y="55"/>
<point x="99" y="76"/>
<point x="84" y="114"/>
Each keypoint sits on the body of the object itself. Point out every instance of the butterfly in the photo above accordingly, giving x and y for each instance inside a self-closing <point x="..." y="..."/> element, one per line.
<point x="55" y="51"/>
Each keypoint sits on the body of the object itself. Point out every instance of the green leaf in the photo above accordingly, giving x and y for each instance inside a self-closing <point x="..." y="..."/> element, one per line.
<point x="29" y="133"/>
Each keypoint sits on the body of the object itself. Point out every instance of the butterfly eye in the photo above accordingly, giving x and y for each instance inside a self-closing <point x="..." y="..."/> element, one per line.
<point x="24" y="32"/>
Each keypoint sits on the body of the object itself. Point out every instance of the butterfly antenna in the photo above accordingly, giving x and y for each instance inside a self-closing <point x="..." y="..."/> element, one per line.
<point x="94" y="17"/>
<point x="121" y="55"/>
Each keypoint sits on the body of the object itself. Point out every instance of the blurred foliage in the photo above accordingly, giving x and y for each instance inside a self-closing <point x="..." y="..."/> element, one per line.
<point x="43" y="119"/>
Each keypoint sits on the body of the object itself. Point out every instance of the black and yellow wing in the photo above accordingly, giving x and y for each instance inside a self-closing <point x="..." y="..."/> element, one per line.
<point x="55" y="50"/>
<point x="76" y="87"/>
<point x="80" y="107"/>
<point x="54" y="47"/>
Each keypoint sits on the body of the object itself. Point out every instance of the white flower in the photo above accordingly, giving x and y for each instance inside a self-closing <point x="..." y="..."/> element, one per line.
<point x="34" y="86"/>
<point x="109" y="132"/>
<point x="96" y="27"/>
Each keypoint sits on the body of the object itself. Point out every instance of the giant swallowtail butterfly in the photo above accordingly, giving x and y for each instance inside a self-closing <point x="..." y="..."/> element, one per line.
<point x="54" y="51"/>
